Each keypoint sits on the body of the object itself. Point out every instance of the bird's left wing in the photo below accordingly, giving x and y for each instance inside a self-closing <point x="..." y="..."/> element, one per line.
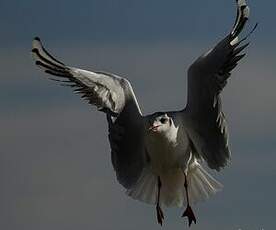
<point x="207" y="76"/>
<point x="114" y="96"/>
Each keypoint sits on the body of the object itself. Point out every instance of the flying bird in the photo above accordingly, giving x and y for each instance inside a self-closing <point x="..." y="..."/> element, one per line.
<point x="158" y="157"/>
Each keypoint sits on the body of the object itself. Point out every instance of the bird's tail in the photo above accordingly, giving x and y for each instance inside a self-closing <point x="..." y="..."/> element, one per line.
<point x="201" y="186"/>
<point x="145" y="189"/>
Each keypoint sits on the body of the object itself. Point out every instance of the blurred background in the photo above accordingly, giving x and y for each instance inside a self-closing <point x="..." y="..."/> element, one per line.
<point x="55" y="168"/>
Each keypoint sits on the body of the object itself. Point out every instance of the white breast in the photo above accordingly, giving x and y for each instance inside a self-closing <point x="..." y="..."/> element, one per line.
<point x="169" y="151"/>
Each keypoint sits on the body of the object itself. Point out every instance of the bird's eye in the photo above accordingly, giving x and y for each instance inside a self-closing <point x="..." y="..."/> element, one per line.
<point x="163" y="120"/>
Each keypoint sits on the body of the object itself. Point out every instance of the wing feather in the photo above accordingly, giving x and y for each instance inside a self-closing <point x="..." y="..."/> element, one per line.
<point x="207" y="77"/>
<point x="114" y="96"/>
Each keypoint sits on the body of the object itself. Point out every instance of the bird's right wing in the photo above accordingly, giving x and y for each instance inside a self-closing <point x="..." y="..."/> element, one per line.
<point x="207" y="77"/>
<point x="114" y="96"/>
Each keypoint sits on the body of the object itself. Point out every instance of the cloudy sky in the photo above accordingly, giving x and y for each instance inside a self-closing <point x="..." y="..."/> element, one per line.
<point x="55" y="169"/>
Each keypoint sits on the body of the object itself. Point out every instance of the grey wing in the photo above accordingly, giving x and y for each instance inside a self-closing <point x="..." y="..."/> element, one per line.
<point x="114" y="96"/>
<point x="207" y="76"/>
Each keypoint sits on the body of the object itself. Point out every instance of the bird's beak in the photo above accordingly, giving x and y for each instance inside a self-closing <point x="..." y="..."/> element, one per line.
<point x="153" y="128"/>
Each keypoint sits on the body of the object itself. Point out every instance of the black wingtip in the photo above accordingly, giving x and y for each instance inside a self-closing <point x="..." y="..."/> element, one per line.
<point x="255" y="27"/>
<point x="38" y="62"/>
<point x="35" y="50"/>
<point x="239" y="49"/>
<point x="250" y="33"/>
<point x="37" y="39"/>
<point x="238" y="57"/>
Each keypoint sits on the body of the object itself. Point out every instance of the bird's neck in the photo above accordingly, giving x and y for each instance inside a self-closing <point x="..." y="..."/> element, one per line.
<point x="168" y="138"/>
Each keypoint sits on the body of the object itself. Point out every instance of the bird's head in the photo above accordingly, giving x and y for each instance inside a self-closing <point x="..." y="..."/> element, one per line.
<point x="159" y="124"/>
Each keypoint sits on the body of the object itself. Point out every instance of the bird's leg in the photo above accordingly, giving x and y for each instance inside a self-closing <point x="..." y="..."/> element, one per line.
<point x="188" y="212"/>
<point x="159" y="212"/>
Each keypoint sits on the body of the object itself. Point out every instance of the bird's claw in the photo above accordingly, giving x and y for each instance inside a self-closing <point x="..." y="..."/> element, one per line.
<point x="160" y="215"/>
<point x="190" y="214"/>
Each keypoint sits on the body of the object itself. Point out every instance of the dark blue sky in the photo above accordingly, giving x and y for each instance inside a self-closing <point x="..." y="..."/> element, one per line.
<point x="125" y="21"/>
<point x="55" y="169"/>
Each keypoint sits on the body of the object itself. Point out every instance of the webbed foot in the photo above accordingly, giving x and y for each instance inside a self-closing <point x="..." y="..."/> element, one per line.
<point x="190" y="214"/>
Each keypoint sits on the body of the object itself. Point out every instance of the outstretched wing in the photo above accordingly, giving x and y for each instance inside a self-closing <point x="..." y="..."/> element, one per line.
<point x="207" y="76"/>
<point x="114" y="96"/>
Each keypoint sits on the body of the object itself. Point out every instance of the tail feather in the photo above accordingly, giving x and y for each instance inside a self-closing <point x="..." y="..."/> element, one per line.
<point x="201" y="186"/>
<point x="147" y="194"/>
<point x="146" y="188"/>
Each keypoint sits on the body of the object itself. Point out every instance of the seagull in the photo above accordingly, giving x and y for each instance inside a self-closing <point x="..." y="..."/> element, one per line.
<point x="158" y="158"/>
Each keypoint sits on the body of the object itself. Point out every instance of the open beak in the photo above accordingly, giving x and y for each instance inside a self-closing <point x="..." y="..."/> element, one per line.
<point x="153" y="128"/>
